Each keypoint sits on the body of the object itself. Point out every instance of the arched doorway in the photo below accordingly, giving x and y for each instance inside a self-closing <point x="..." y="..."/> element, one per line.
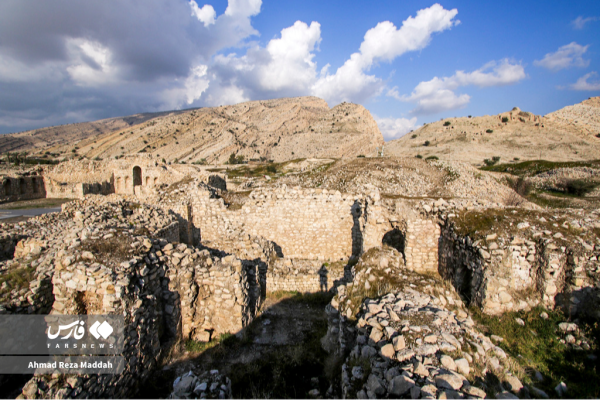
<point x="394" y="238"/>
<point x="137" y="176"/>
<point x="22" y="186"/>
<point x="34" y="185"/>
<point x="6" y="185"/>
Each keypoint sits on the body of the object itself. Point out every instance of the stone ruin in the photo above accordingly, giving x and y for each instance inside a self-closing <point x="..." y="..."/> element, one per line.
<point x="181" y="263"/>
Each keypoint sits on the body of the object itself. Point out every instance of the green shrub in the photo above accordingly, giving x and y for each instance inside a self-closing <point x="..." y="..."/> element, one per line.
<point x="505" y="119"/>
<point x="447" y="123"/>
<point x="489" y="162"/>
<point x="577" y="187"/>
<point x="419" y="156"/>
<point x="427" y="143"/>
<point x="358" y="156"/>
<point x="272" y="169"/>
<point x="413" y="136"/>
<point x="432" y="158"/>
<point x="489" y="131"/>
<point x="598" y="135"/>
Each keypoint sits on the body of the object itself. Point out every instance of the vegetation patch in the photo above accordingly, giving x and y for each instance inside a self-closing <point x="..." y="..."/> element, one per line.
<point x="535" y="167"/>
<point x="536" y="346"/>
<point x="15" y="279"/>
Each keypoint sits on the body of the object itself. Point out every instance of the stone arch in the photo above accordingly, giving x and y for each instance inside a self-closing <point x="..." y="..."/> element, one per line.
<point x="147" y="181"/>
<point x="137" y="176"/>
<point x="22" y="186"/>
<point x="6" y="185"/>
<point x="118" y="184"/>
<point x="396" y="239"/>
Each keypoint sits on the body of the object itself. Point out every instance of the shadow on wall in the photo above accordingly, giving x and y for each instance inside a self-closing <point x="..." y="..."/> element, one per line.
<point x="357" y="229"/>
<point x="278" y="355"/>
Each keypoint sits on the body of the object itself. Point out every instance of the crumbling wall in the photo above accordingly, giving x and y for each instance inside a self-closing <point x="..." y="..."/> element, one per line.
<point x="305" y="276"/>
<point x="304" y="223"/>
<point x="15" y="188"/>
<point x="216" y="295"/>
<point x="504" y="274"/>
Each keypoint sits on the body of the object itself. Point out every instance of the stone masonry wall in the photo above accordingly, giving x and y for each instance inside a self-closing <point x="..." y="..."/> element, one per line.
<point x="304" y="223"/>
<point x="305" y="276"/>
<point x="505" y="275"/>
<point x="21" y="188"/>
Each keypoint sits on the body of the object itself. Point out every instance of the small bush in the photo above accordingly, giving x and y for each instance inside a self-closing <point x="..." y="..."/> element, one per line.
<point x="489" y="162"/>
<point x="360" y="156"/>
<point x="577" y="187"/>
<point x="427" y="143"/>
<point x="432" y="158"/>
<point x="272" y="169"/>
<point x="447" y="123"/>
<point x="505" y="119"/>
<point x="516" y="159"/>
<point x="413" y="136"/>
<point x="598" y="135"/>
<point x="489" y="131"/>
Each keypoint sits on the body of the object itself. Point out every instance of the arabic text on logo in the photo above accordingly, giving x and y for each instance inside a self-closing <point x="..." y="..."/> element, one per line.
<point x="74" y="328"/>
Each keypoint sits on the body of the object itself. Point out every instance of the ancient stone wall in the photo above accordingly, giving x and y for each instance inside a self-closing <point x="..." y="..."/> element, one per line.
<point x="22" y="188"/>
<point x="506" y="275"/>
<point x="305" y="276"/>
<point x="304" y="223"/>
<point x="421" y="245"/>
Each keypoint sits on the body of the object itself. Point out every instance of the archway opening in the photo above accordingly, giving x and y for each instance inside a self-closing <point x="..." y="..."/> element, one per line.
<point x="137" y="176"/>
<point x="22" y="186"/>
<point x="7" y="189"/>
<point x="34" y="185"/>
<point x="394" y="238"/>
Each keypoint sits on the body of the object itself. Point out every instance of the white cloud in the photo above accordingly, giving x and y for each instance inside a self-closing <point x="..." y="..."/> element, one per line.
<point x="394" y="128"/>
<point x="91" y="63"/>
<point x="438" y="95"/>
<point x="579" y="22"/>
<point x="569" y="55"/>
<point x="383" y="42"/>
<point x="207" y="14"/>
<point x="583" y="84"/>
<point x="243" y="8"/>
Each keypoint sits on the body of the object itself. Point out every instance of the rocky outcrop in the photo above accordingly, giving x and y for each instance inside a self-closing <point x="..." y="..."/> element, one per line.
<point x="280" y="129"/>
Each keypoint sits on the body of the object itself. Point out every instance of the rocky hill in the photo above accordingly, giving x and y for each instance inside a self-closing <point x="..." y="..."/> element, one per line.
<point x="278" y="130"/>
<point x="569" y="134"/>
<point x="45" y="138"/>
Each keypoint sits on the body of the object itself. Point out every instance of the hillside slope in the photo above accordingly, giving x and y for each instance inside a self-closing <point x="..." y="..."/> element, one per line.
<point x="70" y="133"/>
<point x="279" y="130"/>
<point x="568" y="134"/>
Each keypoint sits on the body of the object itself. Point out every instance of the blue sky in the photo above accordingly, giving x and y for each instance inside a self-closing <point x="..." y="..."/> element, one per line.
<point x="408" y="62"/>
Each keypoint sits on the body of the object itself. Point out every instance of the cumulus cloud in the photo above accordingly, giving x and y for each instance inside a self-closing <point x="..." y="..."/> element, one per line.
<point x="384" y="42"/>
<point x="579" y="22"/>
<point x="583" y="84"/>
<point x="437" y="94"/>
<point x="569" y="55"/>
<point x="206" y="14"/>
<point x="96" y="59"/>
<point x="103" y="59"/>
<point x="394" y="128"/>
